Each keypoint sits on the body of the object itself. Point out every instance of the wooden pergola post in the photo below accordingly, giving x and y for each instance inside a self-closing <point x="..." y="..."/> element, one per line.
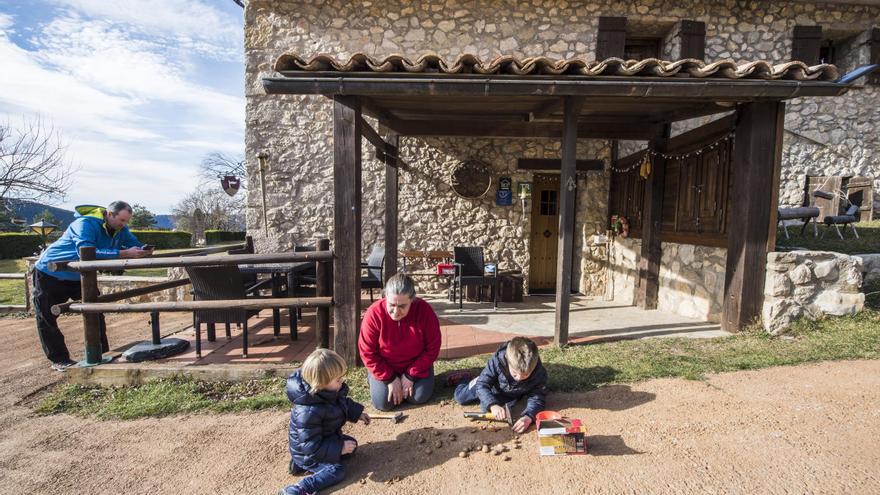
<point x="324" y="275"/>
<point x="392" y="163"/>
<point x="757" y="154"/>
<point x="567" y="194"/>
<point x="347" y="225"/>
<point x="652" y="216"/>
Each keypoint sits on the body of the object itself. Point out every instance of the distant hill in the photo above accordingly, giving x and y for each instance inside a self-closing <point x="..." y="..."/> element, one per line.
<point x="165" y="222"/>
<point x="27" y="210"/>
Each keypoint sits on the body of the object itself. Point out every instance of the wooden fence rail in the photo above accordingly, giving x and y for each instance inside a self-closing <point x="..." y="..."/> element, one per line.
<point x="184" y="261"/>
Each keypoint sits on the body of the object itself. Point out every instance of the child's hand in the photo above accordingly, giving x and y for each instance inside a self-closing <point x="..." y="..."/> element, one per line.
<point x="348" y="447"/>
<point x="365" y="418"/>
<point x="498" y="411"/>
<point x="523" y="424"/>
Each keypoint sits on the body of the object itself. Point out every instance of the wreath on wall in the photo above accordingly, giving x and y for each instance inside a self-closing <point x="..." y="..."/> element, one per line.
<point x="620" y="225"/>
<point x="471" y="179"/>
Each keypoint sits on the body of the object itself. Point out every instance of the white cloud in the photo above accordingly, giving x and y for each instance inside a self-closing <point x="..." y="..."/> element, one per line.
<point x="192" y="24"/>
<point x="136" y="120"/>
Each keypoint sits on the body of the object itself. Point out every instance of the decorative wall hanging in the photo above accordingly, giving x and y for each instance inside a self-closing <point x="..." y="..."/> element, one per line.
<point x="504" y="196"/>
<point x="471" y="179"/>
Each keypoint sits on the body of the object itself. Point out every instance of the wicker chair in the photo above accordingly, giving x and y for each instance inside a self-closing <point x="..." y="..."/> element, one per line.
<point x="374" y="279"/>
<point x="222" y="282"/>
<point x="470" y="269"/>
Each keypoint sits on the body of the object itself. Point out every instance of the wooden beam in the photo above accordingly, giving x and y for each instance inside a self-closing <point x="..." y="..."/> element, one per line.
<point x="697" y="137"/>
<point x="215" y="259"/>
<point x="672" y="88"/>
<point x="554" y="164"/>
<point x="323" y="288"/>
<point x="126" y="294"/>
<point x="567" y="194"/>
<point x="91" y="322"/>
<point x="391" y="208"/>
<point x="546" y="109"/>
<point x="521" y="129"/>
<point x="374" y="138"/>
<point x="652" y="217"/>
<point x="186" y="306"/>
<point x="347" y="225"/>
<point x="756" y="158"/>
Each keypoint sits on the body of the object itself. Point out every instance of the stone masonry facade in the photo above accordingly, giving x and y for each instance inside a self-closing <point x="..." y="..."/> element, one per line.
<point x="824" y="136"/>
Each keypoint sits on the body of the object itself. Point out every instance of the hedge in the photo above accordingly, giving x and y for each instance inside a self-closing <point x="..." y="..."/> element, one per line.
<point x="221" y="236"/>
<point x="164" y="239"/>
<point x="14" y="245"/>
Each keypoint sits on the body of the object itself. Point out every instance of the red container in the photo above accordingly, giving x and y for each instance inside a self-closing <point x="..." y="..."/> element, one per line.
<point x="445" y="269"/>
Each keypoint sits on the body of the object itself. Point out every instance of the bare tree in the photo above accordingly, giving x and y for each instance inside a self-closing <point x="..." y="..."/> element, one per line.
<point x="215" y="165"/>
<point x="209" y="208"/>
<point x="32" y="163"/>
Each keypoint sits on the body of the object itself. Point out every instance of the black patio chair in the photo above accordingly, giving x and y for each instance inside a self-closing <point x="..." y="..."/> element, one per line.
<point x="373" y="278"/>
<point x="221" y="282"/>
<point x="470" y="269"/>
<point x="848" y="218"/>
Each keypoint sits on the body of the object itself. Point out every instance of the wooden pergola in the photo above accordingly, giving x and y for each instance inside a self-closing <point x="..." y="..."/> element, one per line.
<point x="565" y="107"/>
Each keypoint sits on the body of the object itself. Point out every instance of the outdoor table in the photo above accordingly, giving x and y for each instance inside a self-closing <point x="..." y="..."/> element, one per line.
<point x="276" y="271"/>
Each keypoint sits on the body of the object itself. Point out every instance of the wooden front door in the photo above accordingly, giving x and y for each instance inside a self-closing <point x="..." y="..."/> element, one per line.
<point x="544" y="233"/>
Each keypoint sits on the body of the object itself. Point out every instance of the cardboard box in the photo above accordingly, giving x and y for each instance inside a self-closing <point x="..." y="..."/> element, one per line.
<point x="558" y="435"/>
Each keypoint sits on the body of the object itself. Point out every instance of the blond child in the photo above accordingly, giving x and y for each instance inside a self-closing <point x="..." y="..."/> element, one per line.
<point x="320" y="407"/>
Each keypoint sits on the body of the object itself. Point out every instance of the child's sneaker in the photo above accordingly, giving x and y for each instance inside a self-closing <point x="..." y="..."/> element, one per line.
<point x="294" y="490"/>
<point x="456" y="377"/>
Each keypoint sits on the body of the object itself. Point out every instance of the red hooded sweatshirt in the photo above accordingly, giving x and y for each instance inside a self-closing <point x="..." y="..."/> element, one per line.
<point x="391" y="348"/>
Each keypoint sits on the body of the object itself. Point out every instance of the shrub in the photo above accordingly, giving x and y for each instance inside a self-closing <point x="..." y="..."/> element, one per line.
<point x="15" y="245"/>
<point x="164" y="239"/>
<point x="221" y="236"/>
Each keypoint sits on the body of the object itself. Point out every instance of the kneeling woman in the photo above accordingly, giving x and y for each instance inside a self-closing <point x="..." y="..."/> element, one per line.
<point x="399" y="342"/>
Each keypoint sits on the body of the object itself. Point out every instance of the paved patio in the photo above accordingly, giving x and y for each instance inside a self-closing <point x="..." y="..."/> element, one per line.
<point x="477" y="329"/>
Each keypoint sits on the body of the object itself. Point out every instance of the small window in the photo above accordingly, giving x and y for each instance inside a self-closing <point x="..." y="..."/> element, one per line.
<point x="642" y="48"/>
<point x="826" y="52"/>
<point x="548" y="203"/>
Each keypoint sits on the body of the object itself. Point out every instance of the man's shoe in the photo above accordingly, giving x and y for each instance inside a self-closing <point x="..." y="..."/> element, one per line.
<point x="63" y="365"/>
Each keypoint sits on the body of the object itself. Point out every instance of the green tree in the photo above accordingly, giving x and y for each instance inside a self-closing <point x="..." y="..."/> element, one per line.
<point x="47" y="217"/>
<point x="141" y="218"/>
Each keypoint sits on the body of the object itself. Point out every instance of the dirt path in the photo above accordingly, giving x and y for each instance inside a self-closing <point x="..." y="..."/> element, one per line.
<point x="803" y="429"/>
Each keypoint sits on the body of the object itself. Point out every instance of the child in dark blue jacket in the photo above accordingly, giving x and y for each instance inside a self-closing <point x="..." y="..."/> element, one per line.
<point x="320" y="407"/>
<point x="514" y="372"/>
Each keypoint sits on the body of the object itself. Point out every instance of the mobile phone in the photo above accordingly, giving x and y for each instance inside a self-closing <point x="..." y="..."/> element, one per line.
<point x="148" y="247"/>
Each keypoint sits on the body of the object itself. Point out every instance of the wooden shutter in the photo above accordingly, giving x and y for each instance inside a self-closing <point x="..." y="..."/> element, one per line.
<point x="875" y="55"/>
<point x="827" y="207"/>
<point x="693" y="39"/>
<point x="805" y="44"/>
<point x="860" y="191"/>
<point x="612" y="37"/>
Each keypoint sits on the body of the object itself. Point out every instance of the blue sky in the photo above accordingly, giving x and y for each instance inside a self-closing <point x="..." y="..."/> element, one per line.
<point x="141" y="90"/>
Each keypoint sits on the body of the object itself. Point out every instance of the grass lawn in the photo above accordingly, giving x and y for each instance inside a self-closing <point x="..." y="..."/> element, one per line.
<point x="12" y="291"/>
<point x="575" y="368"/>
<point x="868" y="241"/>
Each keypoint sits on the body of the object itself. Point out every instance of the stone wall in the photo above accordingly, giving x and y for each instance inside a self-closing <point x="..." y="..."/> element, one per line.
<point x="624" y="270"/>
<point x="692" y="280"/>
<point x="297" y="130"/>
<point x="810" y="284"/>
<point x="871" y="270"/>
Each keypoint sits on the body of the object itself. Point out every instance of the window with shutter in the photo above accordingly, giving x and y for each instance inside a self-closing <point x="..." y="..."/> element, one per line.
<point x="875" y="55"/>
<point x="806" y="44"/>
<point x="611" y="38"/>
<point x="693" y="39"/>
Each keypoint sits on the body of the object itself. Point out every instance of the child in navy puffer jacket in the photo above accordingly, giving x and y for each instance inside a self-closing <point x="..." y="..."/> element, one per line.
<point x="320" y="407"/>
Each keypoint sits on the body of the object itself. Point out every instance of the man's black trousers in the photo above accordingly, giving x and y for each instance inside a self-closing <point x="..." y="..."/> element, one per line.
<point x="48" y="291"/>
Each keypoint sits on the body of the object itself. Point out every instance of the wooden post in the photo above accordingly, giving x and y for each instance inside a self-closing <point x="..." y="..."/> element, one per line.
<point x="392" y="164"/>
<point x="91" y="322"/>
<point x="567" y="194"/>
<point x="757" y="154"/>
<point x="347" y="225"/>
<point x="324" y="284"/>
<point x="649" y="264"/>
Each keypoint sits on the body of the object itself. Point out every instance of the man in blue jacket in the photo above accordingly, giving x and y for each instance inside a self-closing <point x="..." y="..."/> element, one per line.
<point x="106" y="230"/>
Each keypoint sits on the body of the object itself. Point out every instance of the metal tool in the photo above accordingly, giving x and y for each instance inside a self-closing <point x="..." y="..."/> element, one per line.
<point x="395" y="418"/>
<point x="488" y="416"/>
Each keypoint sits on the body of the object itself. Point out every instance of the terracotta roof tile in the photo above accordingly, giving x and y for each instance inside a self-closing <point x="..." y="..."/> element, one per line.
<point x="509" y="65"/>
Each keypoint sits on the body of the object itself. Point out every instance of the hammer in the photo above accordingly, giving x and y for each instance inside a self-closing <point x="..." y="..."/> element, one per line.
<point x="490" y="416"/>
<point x="395" y="418"/>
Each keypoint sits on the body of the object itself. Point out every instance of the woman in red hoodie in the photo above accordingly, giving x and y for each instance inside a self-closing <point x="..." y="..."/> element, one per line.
<point x="399" y="342"/>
